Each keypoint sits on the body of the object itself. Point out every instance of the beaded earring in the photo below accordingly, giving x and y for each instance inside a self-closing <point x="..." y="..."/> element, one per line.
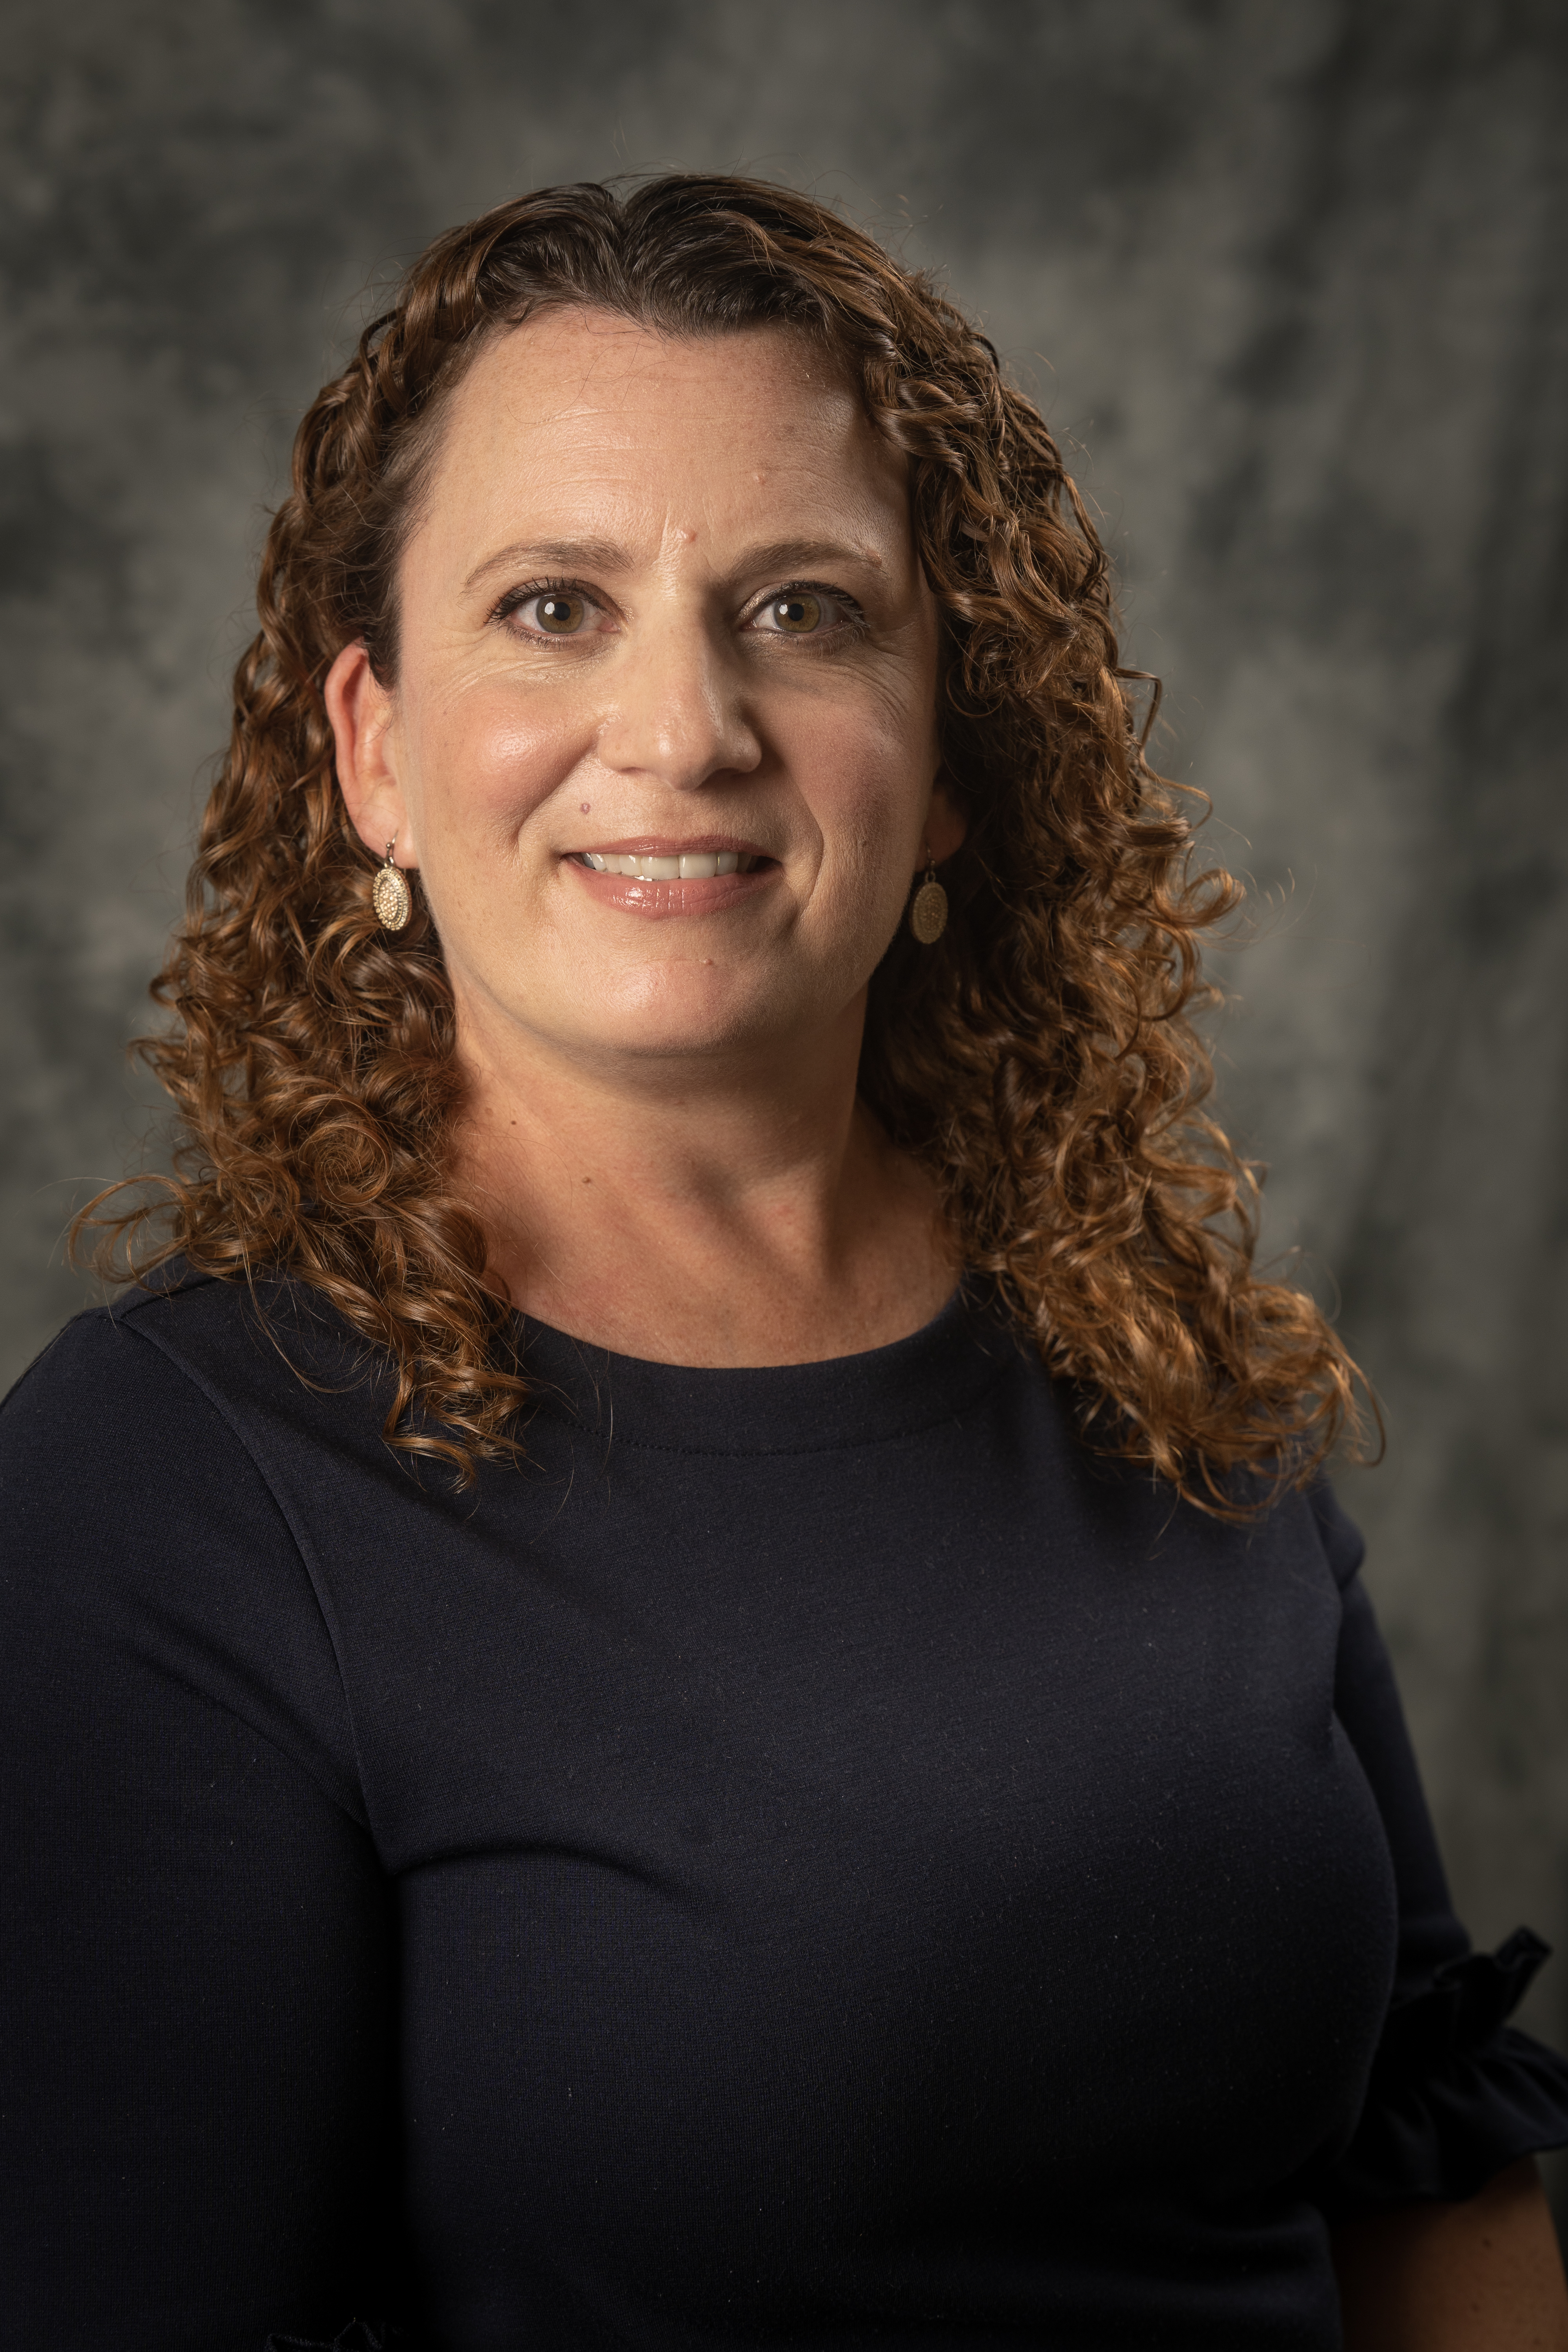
<point x="391" y="895"/>
<point x="928" y="909"/>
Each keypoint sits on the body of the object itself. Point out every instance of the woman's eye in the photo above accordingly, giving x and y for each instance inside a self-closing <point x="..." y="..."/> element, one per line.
<point x="799" y="614"/>
<point x="803" y="612"/>
<point x="550" y="612"/>
<point x="559" y="612"/>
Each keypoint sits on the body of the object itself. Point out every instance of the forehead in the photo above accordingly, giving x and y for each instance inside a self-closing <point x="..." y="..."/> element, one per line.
<point x="576" y="404"/>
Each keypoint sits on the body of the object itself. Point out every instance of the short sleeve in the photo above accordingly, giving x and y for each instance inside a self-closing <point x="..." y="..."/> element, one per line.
<point x="1454" y="2093"/>
<point x="199" y="2136"/>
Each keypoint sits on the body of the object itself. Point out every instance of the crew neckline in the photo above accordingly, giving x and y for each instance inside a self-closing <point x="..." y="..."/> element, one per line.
<point x="838" y="1402"/>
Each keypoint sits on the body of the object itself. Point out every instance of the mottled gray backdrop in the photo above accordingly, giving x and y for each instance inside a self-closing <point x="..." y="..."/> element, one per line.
<point x="1289" y="277"/>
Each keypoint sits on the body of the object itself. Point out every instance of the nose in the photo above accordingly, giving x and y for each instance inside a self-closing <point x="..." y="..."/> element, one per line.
<point x="679" y="715"/>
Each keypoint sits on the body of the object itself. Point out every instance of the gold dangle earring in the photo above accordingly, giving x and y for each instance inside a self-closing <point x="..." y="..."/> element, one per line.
<point x="390" y="894"/>
<point x="928" y="909"/>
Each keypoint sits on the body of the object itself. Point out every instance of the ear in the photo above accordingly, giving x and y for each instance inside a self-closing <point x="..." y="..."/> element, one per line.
<point x="945" y="826"/>
<point x="362" y="711"/>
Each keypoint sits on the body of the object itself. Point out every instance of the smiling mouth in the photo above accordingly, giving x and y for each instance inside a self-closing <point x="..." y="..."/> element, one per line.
<point x="691" y="865"/>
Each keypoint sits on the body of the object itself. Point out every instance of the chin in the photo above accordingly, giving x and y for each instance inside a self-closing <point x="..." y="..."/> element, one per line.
<point x="690" y="1037"/>
<point x="674" y="1020"/>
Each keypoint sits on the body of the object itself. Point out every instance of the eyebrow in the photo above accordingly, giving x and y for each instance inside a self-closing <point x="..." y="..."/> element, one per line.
<point x="607" y="555"/>
<point x="568" y="554"/>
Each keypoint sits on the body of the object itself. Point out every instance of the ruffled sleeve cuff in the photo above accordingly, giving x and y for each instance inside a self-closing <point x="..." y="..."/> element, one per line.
<point x="1456" y="2093"/>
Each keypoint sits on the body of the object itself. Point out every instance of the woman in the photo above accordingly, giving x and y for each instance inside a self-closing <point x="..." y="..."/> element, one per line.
<point x="690" y="1681"/>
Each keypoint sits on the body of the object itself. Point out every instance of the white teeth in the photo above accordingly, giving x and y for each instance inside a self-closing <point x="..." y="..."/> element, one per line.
<point x="691" y="865"/>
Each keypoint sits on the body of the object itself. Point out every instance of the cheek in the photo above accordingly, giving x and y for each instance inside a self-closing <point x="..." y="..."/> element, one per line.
<point x="866" y="770"/>
<point x="487" y="763"/>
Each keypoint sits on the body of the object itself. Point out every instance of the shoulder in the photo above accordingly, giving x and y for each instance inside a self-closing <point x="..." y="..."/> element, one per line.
<point x="122" y="1372"/>
<point x="92" y="1356"/>
<point x="254" y="1353"/>
<point x="142" y="1534"/>
<point x="1342" y="1541"/>
<point x="92" y="1375"/>
<point x="161" y="1415"/>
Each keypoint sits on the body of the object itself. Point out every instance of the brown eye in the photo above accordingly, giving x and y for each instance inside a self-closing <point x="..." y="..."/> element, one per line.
<point x="560" y="612"/>
<point x="798" y="614"/>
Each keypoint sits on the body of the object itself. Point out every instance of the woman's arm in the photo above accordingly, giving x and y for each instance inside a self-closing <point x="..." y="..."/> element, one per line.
<point x="1452" y="2248"/>
<point x="197" y="2138"/>
<point x="1481" y="2277"/>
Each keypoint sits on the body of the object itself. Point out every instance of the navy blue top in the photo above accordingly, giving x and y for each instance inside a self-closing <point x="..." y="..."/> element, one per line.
<point x="811" y="1858"/>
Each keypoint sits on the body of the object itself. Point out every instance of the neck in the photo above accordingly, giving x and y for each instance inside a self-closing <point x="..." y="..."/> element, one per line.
<point x="722" y="1209"/>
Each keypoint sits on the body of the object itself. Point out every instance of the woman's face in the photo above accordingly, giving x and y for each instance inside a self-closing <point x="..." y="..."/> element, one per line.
<point x="663" y="738"/>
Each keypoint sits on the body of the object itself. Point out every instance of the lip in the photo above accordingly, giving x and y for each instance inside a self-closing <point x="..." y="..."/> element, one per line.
<point x="628" y="894"/>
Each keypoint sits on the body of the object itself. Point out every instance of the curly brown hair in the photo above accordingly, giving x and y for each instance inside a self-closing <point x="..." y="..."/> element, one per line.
<point x="1042" y="1065"/>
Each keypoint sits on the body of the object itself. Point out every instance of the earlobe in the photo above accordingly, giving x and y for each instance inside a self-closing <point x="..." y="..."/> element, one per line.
<point x="946" y="826"/>
<point x="361" y="710"/>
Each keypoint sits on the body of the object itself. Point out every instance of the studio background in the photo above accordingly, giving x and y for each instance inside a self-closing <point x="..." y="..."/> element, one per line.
<point x="1291" y="279"/>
